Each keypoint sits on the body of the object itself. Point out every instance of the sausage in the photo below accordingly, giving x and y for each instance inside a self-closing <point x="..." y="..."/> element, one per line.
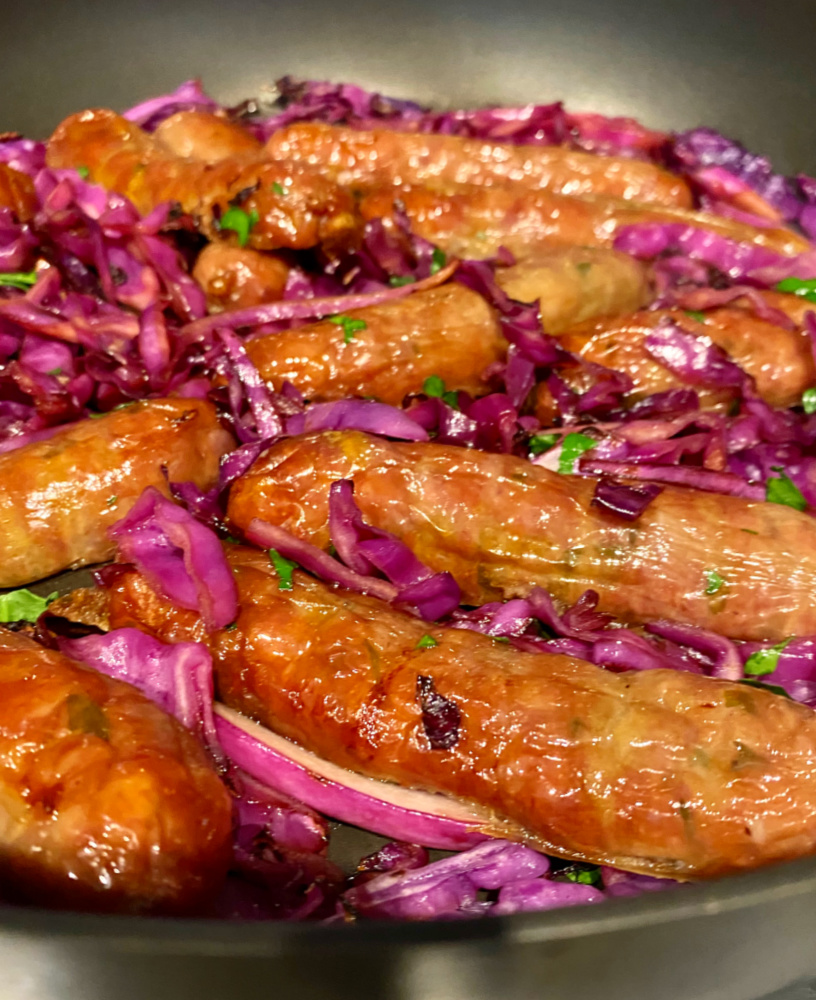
<point x="59" y="496"/>
<point x="780" y="360"/>
<point x="659" y="771"/>
<point x="17" y="193"/>
<point x="502" y="525"/>
<point x="238" y="277"/>
<point x="573" y="284"/>
<point x="106" y="802"/>
<point x="448" y="331"/>
<point x="296" y="207"/>
<point x="201" y="135"/>
<point x="469" y="221"/>
<point x="359" y="159"/>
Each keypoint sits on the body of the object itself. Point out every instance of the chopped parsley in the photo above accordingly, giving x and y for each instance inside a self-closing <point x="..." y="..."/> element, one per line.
<point x="539" y="443"/>
<point x="284" y="568"/>
<point x="426" y="642"/>
<point x="500" y="638"/>
<point x="23" y="606"/>
<point x="435" y="386"/>
<point x="809" y="400"/>
<point x="583" y="876"/>
<point x="574" y="446"/>
<point x="784" y="491"/>
<point x="772" y="688"/>
<point x="240" y="222"/>
<point x="83" y="171"/>
<point x="398" y="280"/>
<point x="19" y="279"/>
<point x="714" y="581"/>
<point x="350" y="326"/>
<point x="279" y="189"/>
<point x="694" y="314"/>
<point x="438" y="260"/>
<point x="55" y="372"/>
<point x="231" y="627"/>
<point x="112" y="500"/>
<point x="804" y="288"/>
<point x="583" y="267"/>
<point x="765" y="661"/>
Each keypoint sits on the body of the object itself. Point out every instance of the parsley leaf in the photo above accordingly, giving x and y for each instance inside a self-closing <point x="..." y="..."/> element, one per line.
<point x="434" y="386"/>
<point x="784" y="491"/>
<point x="83" y="171"/>
<point x="19" y="279"/>
<point x="539" y="443"/>
<point x="398" y="280"/>
<point x="23" y="606"/>
<point x="55" y="372"/>
<point x="284" y="568"/>
<point x="805" y="289"/>
<point x="714" y="581"/>
<point x="765" y="661"/>
<point x="438" y="260"/>
<point x="426" y="642"/>
<point x="574" y="446"/>
<point x="240" y="222"/>
<point x="279" y="189"/>
<point x="694" y="314"/>
<point x="772" y="688"/>
<point x="350" y="326"/>
<point x="809" y="400"/>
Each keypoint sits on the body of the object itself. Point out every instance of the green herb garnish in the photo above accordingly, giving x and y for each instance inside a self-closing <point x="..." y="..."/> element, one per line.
<point x="782" y="490"/>
<point x="765" y="661"/>
<point x="500" y="638"/>
<point x="398" y="280"/>
<point x="350" y="326"/>
<point x="23" y="606"/>
<point x="539" y="443"/>
<point x="583" y="267"/>
<point x="19" y="279"/>
<point x="434" y="386"/>
<point x="574" y="446"/>
<point x="112" y="500"/>
<point x="284" y="568"/>
<point x="55" y="372"/>
<point x="804" y="288"/>
<point x="240" y="222"/>
<point x="83" y="171"/>
<point x="694" y="314"/>
<point x="714" y="581"/>
<point x="426" y="642"/>
<point x="438" y="260"/>
<point x="279" y="189"/>
<point x="583" y="876"/>
<point x="809" y="400"/>
<point x="231" y="627"/>
<point x="772" y="688"/>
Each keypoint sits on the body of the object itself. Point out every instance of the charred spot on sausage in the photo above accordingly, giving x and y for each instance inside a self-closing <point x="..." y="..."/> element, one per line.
<point x="440" y="716"/>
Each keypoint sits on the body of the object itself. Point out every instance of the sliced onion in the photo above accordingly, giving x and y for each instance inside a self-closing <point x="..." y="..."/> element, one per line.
<point x="390" y="810"/>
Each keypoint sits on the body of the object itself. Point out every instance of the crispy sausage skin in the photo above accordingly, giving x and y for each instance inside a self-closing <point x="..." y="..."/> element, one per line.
<point x="17" y="193"/>
<point x="201" y="135"/>
<point x="359" y="159"/>
<point x="59" y="496"/>
<point x="238" y="277"/>
<point x="296" y="207"/>
<point x="448" y="331"/>
<point x="663" y="772"/>
<point x="781" y="361"/>
<point x="501" y="525"/>
<point x="470" y="221"/>
<point x="106" y="802"/>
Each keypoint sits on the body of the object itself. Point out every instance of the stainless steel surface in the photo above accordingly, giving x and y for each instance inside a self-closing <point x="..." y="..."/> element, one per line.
<point x="746" y="67"/>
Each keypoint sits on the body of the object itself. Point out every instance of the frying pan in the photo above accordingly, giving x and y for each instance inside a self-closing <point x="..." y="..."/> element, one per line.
<point x="746" y="67"/>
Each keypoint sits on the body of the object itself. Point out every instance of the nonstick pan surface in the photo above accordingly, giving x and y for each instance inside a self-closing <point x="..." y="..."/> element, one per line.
<point x="747" y="68"/>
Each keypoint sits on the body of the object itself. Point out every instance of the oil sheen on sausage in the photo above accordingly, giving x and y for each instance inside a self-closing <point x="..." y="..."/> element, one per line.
<point x="501" y="525"/>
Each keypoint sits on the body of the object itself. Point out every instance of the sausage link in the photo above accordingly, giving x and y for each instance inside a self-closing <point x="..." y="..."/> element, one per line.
<point x="59" y="496"/>
<point x="359" y="159"/>
<point x="201" y="135"/>
<point x="501" y="525"/>
<point x="106" y="802"/>
<point x="238" y="277"/>
<point x="296" y="207"/>
<point x="663" y="772"/>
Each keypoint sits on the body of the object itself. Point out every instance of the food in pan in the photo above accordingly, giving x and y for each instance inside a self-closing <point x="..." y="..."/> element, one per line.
<point x="458" y="473"/>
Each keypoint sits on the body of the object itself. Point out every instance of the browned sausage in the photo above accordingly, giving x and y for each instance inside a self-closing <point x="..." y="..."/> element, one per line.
<point x="470" y="221"/>
<point x="372" y="159"/>
<point x="237" y="277"/>
<point x="296" y="207"/>
<point x="201" y="135"/>
<point x="58" y="497"/>
<point x="17" y="193"/>
<point x="781" y="361"/>
<point x="448" y="331"/>
<point x="501" y="525"/>
<point x="661" y="771"/>
<point x="106" y="802"/>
